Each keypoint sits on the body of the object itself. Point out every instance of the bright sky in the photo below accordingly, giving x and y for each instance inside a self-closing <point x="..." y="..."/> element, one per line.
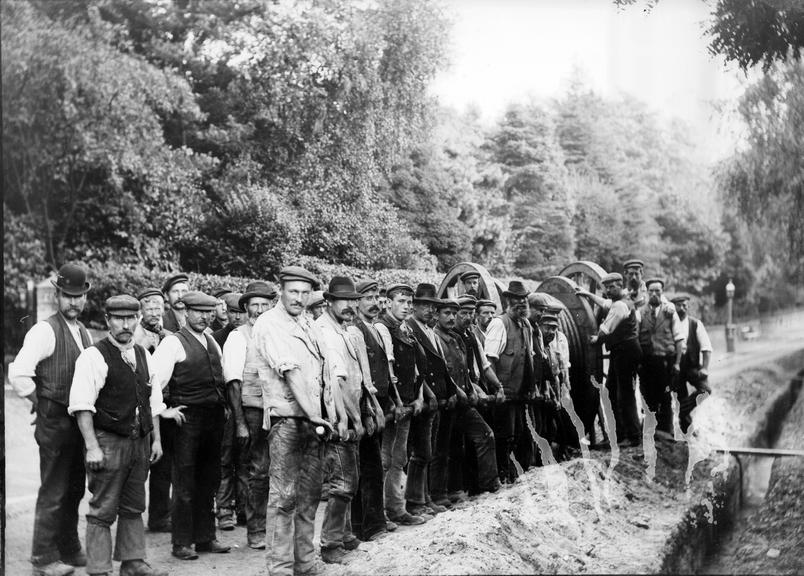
<point x="511" y="50"/>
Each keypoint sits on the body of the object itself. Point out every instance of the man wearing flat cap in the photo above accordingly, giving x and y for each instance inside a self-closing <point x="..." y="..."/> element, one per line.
<point x="348" y="370"/>
<point x="317" y="305"/>
<point x="619" y="332"/>
<point x="694" y="363"/>
<point x="485" y="311"/>
<point x="406" y="363"/>
<point x="662" y="344"/>
<point x="244" y="389"/>
<point x="188" y="363"/>
<point x="43" y="373"/>
<point x="117" y="409"/>
<point x="468" y="428"/>
<point x="556" y="423"/>
<point x="368" y="509"/>
<point x="471" y="283"/>
<point x="221" y="316"/>
<point x="291" y="353"/>
<point x="509" y="347"/>
<point x="437" y="387"/>
<point x="174" y="288"/>
<point x="633" y="270"/>
<point x="231" y="498"/>
<point x="148" y="334"/>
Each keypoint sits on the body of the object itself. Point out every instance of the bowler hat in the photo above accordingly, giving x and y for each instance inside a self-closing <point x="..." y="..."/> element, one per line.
<point x="633" y="262"/>
<point x="515" y="289"/>
<point x="150" y="292"/>
<point x="365" y="286"/>
<point x="257" y="289"/>
<point x="467" y="301"/>
<point x="200" y="301"/>
<point x="650" y="281"/>
<point x="469" y="274"/>
<point x="298" y="274"/>
<point x="219" y="292"/>
<point x="122" y="305"/>
<point x="175" y="279"/>
<point x="679" y="298"/>
<point x="611" y="277"/>
<point x="448" y="303"/>
<point x="426" y="294"/>
<point x="72" y="280"/>
<point x="232" y="301"/>
<point x="316" y="299"/>
<point x="548" y="320"/>
<point x="341" y="288"/>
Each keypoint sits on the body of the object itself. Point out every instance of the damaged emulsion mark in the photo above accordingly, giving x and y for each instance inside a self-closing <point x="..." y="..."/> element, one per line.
<point x="611" y="431"/>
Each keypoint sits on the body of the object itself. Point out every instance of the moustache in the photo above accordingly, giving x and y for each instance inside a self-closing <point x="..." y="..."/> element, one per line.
<point x="374" y="309"/>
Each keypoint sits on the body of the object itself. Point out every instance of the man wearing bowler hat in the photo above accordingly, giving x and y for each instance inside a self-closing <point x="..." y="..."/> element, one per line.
<point x="117" y="409"/>
<point x="188" y="363"/>
<point x="244" y="389"/>
<point x="174" y="288"/>
<point x="619" y="332"/>
<point x="291" y="355"/>
<point x="43" y="373"/>
<point x="509" y="347"/>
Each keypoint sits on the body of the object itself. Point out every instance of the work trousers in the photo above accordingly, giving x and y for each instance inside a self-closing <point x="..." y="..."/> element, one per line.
<point x="342" y="465"/>
<point x="423" y="428"/>
<point x="368" y="516"/>
<point x="689" y="400"/>
<point x="118" y="493"/>
<point x="159" y="506"/>
<point x="439" y="465"/>
<point x="512" y="436"/>
<point x="620" y="385"/>
<point x="296" y="473"/>
<point x="61" y="472"/>
<point x="196" y="474"/>
<point x="473" y="449"/>
<point x="233" y="490"/>
<point x="655" y="379"/>
<point x="394" y="459"/>
<point x="257" y="463"/>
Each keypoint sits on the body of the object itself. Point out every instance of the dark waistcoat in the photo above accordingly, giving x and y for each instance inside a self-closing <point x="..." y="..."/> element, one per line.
<point x="405" y="358"/>
<point x="625" y="334"/>
<point x="515" y="366"/>
<point x="123" y="405"/>
<point x="692" y="357"/>
<point x="198" y="380"/>
<point x="457" y="358"/>
<point x="54" y="375"/>
<point x="378" y="361"/>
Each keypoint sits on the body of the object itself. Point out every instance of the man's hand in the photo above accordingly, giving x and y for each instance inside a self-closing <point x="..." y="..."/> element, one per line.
<point x="593" y="339"/>
<point x="95" y="458"/>
<point x="343" y="429"/>
<point x="581" y="292"/>
<point x="369" y="424"/>
<point x="704" y="373"/>
<point x="318" y="421"/>
<point x="452" y="401"/>
<point x="418" y="405"/>
<point x="156" y="451"/>
<point x="175" y="414"/>
<point x="241" y="432"/>
<point x="500" y="395"/>
<point x="359" y="430"/>
<point x="676" y="368"/>
<point x="463" y="399"/>
<point x="473" y="399"/>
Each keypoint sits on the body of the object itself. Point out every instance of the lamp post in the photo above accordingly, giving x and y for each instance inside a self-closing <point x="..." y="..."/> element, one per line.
<point x="731" y="329"/>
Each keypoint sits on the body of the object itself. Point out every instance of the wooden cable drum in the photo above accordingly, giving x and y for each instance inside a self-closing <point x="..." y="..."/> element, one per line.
<point x="490" y="288"/>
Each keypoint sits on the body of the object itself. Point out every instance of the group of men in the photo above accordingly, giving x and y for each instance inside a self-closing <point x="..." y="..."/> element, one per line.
<point x="400" y="402"/>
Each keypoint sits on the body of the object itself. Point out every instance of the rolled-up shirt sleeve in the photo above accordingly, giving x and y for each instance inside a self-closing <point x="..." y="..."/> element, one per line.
<point x="272" y="344"/>
<point x="164" y="359"/>
<point x="89" y="379"/>
<point x="703" y="338"/>
<point x="157" y="400"/>
<point x="39" y="344"/>
<point x="387" y="341"/>
<point x="617" y="313"/>
<point x="359" y="342"/>
<point x="234" y="356"/>
<point x="495" y="338"/>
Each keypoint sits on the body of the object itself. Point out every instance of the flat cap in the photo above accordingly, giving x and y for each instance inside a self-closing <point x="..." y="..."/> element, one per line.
<point x="150" y="292"/>
<point x="538" y="299"/>
<point x="679" y="298"/>
<point x="469" y="274"/>
<point x="481" y="303"/>
<point x="298" y="274"/>
<point x="548" y="320"/>
<point x="257" y="289"/>
<point x="199" y="301"/>
<point x="650" y="281"/>
<point x="175" y="279"/>
<point x="232" y="300"/>
<point x="122" y="305"/>
<point x="468" y="302"/>
<point x="554" y="305"/>
<point x="448" y="303"/>
<point x="611" y="277"/>
<point x="399" y="286"/>
<point x="219" y="292"/>
<point x="633" y="262"/>
<point x="316" y="299"/>
<point x="366" y="286"/>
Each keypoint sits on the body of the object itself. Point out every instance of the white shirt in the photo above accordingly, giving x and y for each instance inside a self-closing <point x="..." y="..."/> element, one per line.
<point x="90" y="378"/>
<point x="703" y="337"/>
<point x="617" y="312"/>
<point x="496" y="338"/>
<point x="234" y="356"/>
<point x="169" y="353"/>
<point x="39" y="344"/>
<point x="386" y="339"/>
